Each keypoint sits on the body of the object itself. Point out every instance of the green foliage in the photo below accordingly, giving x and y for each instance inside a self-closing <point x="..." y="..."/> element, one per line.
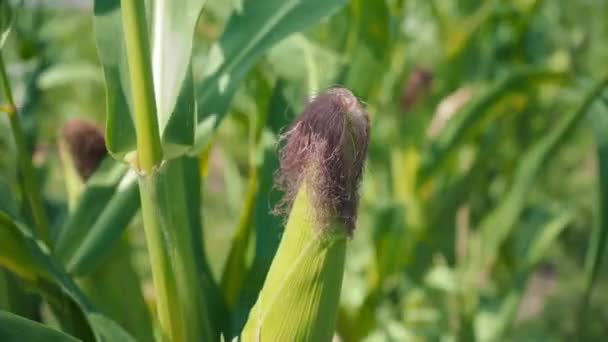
<point x="16" y="328"/>
<point x="483" y="205"/>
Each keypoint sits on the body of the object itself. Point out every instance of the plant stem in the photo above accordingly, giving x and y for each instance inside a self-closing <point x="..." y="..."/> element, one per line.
<point x="29" y="183"/>
<point x="142" y="87"/>
<point x="162" y="274"/>
<point x="180" y="303"/>
<point x="176" y="279"/>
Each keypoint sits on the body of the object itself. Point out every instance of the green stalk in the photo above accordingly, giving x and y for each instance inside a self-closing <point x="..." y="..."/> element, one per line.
<point x="300" y="297"/>
<point x="29" y="183"/>
<point x="142" y="88"/>
<point x="180" y="305"/>
<point x="162" y="274"/>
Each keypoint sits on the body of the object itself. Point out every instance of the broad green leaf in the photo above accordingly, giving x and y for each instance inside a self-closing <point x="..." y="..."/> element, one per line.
<point x="112" y="221"/>
<point x="216" y="307"/>
<point x="124" y="303"/>
<point x="93" y="202"/>
<point x="45" y="273"/>
<point x="172" y="25"/>
<point x="499" y="223"/>
<point x="120" y="130"/>
<point x="248" y="34"/>
<point x="472" y="116"/>
<point x="15" y="254"/>
<point x="15" y="297"/>
<point x="14" y="328"/>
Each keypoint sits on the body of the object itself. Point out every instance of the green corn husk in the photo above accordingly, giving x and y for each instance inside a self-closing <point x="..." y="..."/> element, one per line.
<point x="299" y="300"/>
<point x="321" y="167"/>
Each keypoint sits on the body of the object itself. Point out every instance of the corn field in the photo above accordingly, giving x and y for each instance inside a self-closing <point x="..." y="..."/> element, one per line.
<point x="303" y="170"/>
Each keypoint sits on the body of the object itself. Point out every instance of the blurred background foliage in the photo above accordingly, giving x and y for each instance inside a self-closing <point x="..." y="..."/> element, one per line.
<point x="484" y="209"/>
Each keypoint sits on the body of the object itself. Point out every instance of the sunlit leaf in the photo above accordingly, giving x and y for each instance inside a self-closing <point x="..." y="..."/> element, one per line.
<point x="172" y="26"/>
<point x="248" y="34"/>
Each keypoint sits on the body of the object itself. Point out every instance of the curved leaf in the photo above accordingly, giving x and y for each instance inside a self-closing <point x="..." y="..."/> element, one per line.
<point x="248" y="34"/>
<point x="172" y="24"/>
<point x="496" y="227"/>
<point x="472" y="114"/>
<point x="14" y="328"/>
<point x="45" y="270"/>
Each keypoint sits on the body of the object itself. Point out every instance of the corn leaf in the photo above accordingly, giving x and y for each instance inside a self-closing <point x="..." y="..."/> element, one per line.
<point x="172" y="26"/>
<point x="16" y="328"/>
<point x="497" y="226"/>
<point x="268" y="227"/>
<point x="248" y="34"/>
<point x="473" y="114"/>
<point x="44" y="272"/>
<point x="103" y="211"/>
<point x="124" y="303"/>
<point x="216" y="306"/>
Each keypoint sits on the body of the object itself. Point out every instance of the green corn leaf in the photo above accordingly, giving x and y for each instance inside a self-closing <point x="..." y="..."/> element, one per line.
<point x="14" y="328"/>
<point x="15" y="254"/>
<point x="497" y="226"/>
<point x="45" y="273"/>
<point x="172" y="25"/>
<point x="493" y="326"/>
<point x="107" y="228"/>
<point x="124" y="303"/>
<point x="299" y="300"/>
<point x="108" y="202"/>
<point x="234" y="269"/>
<point x="15" y="298"/>
<point x="473" y="114"/>
<point x="260" y="186"/>
<point x="268" y="227"/>
<point x="216" y="306"/>
<point x="248" y="34"/>
<point x="599" y="236"/>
